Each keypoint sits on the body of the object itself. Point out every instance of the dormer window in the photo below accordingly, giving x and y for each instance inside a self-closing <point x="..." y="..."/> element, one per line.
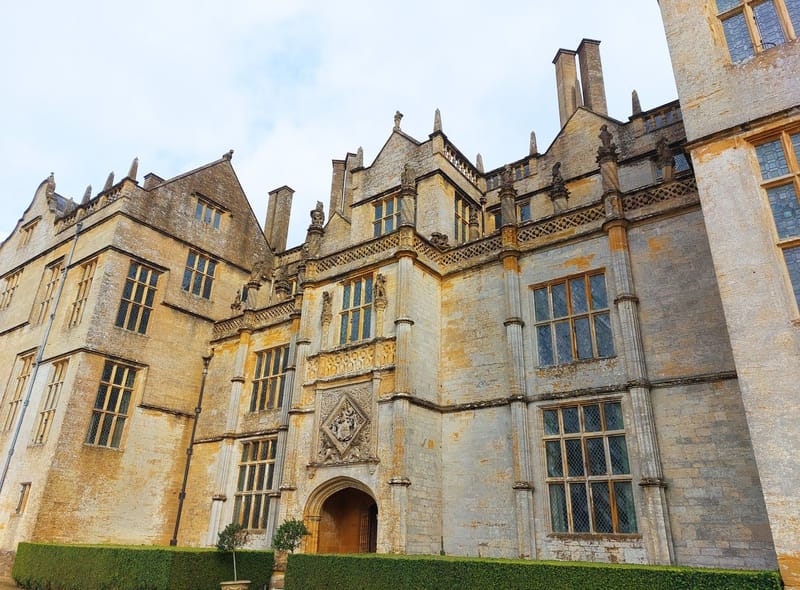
<point x="386" y="216"/>
<point x="207" y="213"/>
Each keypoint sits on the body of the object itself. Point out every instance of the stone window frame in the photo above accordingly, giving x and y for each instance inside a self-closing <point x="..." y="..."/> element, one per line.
<point x="50" y="278"/>
<point x="199" y="274"/>
<point x="84" y="285"/>
<point x="740" y="17"/>
<point x="357" y="303"/>
<point x="587" y="469"/>
<point x="207" y="212"/>
<point x="386" y="215"/>
<point x="138" y="297"/>
<point x="255" y="481"/>
<point x="784" y="178"/>
<point x="461" y="210"/>
<point x="25" y="363"/>
<point x="10" y="284"/>
<point x="269" y="378"/>
<point x="50" y="402"/>
<point x="115" y="393"/>
<point x="24" y="493"/>
<point x="597" y="307"/>
<point x="26" y="232"/>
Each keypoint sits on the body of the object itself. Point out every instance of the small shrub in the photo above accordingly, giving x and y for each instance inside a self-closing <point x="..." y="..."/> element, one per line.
<point x="230" y="539"/>
<point x="289" y="535"/>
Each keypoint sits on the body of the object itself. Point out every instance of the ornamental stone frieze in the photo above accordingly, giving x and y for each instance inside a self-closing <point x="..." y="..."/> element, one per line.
<point x="345" y="432"/>
<point x="378" y="354"/>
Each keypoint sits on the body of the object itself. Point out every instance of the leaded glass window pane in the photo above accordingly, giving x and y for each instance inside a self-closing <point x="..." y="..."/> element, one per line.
<point x="564" y="342"/>
<point x="571" y="422"/>
<point x="771" y="159"/>
<point x="577" y="290"/>
<point x="737" y="36"/>
<point x="626" y="513"/>
<point x="785" y="210"/>
<point x="613" y="412"/>
<point x="597" y="456"/>
<point x="618" y="451"/>
<point x="723" y="5"/>
<point x="541" y="305"/>
<point x="551" y="422"/>
<point x="583" y="338"/>
<point x="544" y="342"/>
<point x="560" y="309"/>
<point x="793" y="8"/>
<point x="591" y="418"/>
<point x="598" y="288"/>
<point x="574" y="451"/>
<point x="580" y="511"/>
<point x="769" y="25"/>
<point x="555" y="466"/>
<point x="601" y="502"/>
<point x="558" y="508"/>
<point x="602" y="331"/>
<point x="792" y="258"/>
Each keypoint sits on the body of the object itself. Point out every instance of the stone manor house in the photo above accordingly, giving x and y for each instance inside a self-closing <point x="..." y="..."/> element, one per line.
<point x="589" y="353"/>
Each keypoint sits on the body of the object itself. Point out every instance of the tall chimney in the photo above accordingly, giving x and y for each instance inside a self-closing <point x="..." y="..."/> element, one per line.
<point x="594" y="90"/>
<point x="569" y="92"/>
<point x="337" y="187"/>
<point x="279" y="208"/>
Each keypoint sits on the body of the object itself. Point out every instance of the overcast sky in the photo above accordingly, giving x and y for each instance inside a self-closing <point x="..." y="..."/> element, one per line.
<point x="290" y="85"/>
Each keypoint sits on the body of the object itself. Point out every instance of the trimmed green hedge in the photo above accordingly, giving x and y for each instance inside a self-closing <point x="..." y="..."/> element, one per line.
<point x="44" y="566"/>
<point x="421" y="572"/>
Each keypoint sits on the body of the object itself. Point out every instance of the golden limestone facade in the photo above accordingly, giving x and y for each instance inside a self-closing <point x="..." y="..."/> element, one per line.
<point x="535" y="361"/>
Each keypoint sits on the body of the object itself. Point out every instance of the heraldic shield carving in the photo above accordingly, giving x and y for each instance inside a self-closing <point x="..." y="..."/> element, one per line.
<point x="344" y="433"/>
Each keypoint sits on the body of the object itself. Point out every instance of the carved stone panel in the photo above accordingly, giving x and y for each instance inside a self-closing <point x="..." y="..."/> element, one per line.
<point x="346" y="426"/>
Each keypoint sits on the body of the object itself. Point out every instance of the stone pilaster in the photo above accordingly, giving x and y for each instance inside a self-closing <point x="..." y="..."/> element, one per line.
<point x="226" y="454"/>
<point x="655" y="526"/>
<point x="515" y="355"/>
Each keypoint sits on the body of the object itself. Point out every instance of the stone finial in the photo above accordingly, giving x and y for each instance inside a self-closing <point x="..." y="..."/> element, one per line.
<point x="134" y="169"/>
<point x="607" y="149"/>
<point x="636" y="106"/>
<point x="437" y="121"/>
<point x="479" y="163"/>
<point x="318" y="215"/>
<point x="109" y="181"/>
<point x="664" y="156"/>
<point x="227" y="155"/>
<point x="398" y="116"/>
<point x="408" y="178"/>
<point x="50" y="188"/>
<point x="533" y="148"/>
<point x="87" y="195"/>
<point x="360" y="156"/>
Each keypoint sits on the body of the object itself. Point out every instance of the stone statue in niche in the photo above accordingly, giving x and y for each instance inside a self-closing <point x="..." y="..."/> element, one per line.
<point x="607" y="148"/>
<point x="379" y="288"/>
<point x="408" y="178"/>
<point x="327" y="315"/>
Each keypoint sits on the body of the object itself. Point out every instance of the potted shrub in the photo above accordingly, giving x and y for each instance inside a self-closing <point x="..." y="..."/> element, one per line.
<point x="230" y="539"/>
<point x="288" y="538"/>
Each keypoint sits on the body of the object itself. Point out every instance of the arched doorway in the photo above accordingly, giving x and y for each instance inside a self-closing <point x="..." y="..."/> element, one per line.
<point x="346" y="518"/>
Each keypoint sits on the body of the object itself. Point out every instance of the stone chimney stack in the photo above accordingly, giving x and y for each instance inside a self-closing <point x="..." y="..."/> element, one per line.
<point x="594" y="90"/>
<point x="569" y="89"/>
<point x="337" y="187"/>
<point x="279" y="209"/>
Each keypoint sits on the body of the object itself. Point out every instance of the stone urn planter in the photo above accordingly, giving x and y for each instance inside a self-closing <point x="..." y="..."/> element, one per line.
<point x="237" y="585"/>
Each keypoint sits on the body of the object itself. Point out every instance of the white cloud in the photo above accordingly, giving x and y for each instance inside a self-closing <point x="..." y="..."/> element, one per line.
<point x="292" y="85"/>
